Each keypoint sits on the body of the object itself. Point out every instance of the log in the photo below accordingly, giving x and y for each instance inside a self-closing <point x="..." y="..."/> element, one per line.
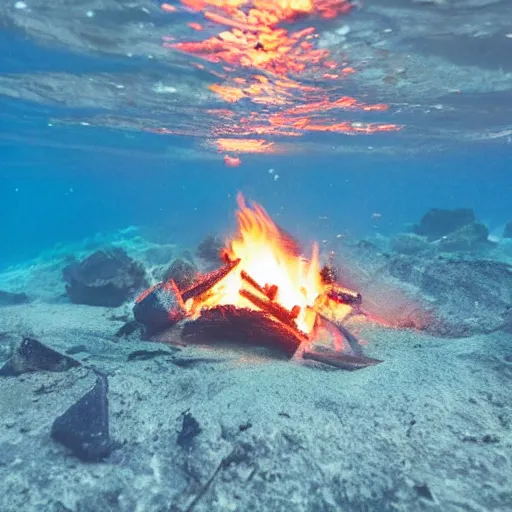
<point x="208" y="281"/>
<point x="245" y="327"/>
<point x="273" y="309"/>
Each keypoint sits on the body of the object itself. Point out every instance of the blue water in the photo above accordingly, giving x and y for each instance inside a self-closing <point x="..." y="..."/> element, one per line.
<point x="59" y="195"/>
<point x="62" y="183"/>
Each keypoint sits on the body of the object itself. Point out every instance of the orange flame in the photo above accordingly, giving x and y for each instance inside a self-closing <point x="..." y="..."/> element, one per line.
<point x="268" y="259"/>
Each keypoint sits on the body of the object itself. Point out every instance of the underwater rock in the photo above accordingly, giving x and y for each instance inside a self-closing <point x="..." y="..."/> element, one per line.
<point x="31" y="356"/>
<point x="468" y="238"/>
<point x="437" y="222"/>
<point x="182" y="272"/>
<point x="12" y="299"/>
<point x="106" y="278"/>
<point x="409" y="243"/>
<point x="210" y="249"/>
<point x="84" y="427"/>
<point x="507" y="232"/>
<point x="159" y="307"/>
<point x="457" y="297"/>
<point x="190" y="428"/>
<point x="470" y="296"/>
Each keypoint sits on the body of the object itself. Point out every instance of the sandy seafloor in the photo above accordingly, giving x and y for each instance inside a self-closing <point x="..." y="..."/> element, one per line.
<point x="428" y="429"/>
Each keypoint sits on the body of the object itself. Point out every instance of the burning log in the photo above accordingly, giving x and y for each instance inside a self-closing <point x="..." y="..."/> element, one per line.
<point x="269" y="291"/>
<point x="243" y="325"/>
<point x="273" y="309"/>
<point x="343" y="295"/>
<point x="159" y="307"/>
<point x="287" y="313"/>
<point x="209" y="280"/>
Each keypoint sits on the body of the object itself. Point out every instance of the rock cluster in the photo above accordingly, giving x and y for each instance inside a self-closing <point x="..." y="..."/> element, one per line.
<point x="453" y="230"/>
<point x="105" y="278"/>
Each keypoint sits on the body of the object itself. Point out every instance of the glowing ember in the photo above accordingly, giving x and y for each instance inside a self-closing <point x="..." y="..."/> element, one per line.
<point x="269" y="272"/>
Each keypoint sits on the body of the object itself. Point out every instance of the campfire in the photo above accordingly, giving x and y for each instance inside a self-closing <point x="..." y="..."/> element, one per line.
<point x="266" y="292"/>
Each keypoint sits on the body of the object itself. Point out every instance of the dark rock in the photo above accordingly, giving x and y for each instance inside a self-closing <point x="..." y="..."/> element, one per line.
<point x="190" y="428"/>
<point x="507" y="232"/>
<point x="31" y="355"/>
<point x="423" y="490"/>
<point x="105" y="278"/>
<point x="84" y="427"/>
<point x="437" y="223"/>
<point x="182" y="272"/>
<point x="12" y="299"/>
<point x="210" y="249"/>
<point x="468" y="238"/>
<point x="159" y="307"/>
<point x="409" y="243"/>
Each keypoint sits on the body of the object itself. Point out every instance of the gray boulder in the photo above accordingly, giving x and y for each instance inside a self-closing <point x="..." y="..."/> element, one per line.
<point x="106" y="278"/>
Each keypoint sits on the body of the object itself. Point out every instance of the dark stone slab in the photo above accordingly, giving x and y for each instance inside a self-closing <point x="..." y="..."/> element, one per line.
<point x="31" y="356"/>
<point x="84" y="427"/>
<point x="106" y="278"/>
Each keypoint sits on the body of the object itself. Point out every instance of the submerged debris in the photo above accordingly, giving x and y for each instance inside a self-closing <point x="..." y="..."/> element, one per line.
<point x="84" y="427"/>
<point x="190" y="428"/>
<point x="144" y="355"/>
<point x="341" y="360"/>
<point x="31" y="356"/>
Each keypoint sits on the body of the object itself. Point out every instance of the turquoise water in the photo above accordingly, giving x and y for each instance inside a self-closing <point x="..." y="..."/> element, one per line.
<point x="66" y="176"/>
<point x="53" y="195"/>
<point x="122" y="125"/>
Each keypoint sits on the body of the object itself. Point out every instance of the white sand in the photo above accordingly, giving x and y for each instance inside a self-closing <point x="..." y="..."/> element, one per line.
<point x="436" y="412"/>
